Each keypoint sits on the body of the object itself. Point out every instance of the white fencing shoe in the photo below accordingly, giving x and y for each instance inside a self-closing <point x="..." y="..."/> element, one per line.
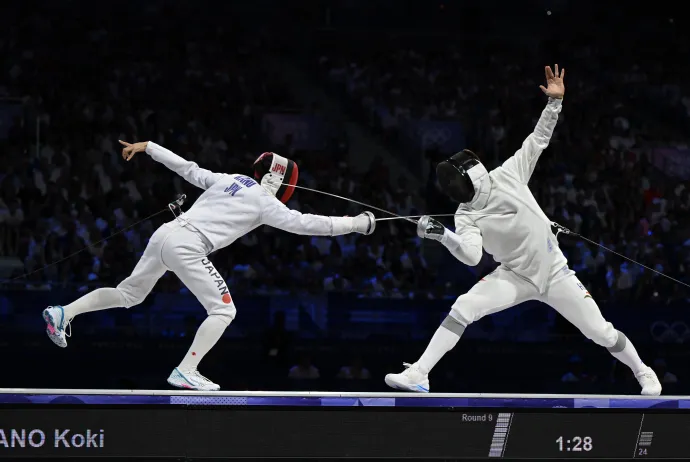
<point x="649" y="382"/>
<point x="191" y="380"/>
<point x="56" y="325"/>
<point x="411" y="379"/>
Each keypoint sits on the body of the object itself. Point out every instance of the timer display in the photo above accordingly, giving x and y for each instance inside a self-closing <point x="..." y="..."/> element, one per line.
<point x="572" y="434"/>
<point x="575" y="444"/>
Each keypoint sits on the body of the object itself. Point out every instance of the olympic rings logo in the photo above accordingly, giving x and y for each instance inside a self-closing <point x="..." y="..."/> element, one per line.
<point x="434" y="135"/>
<point x="676" y="332"/>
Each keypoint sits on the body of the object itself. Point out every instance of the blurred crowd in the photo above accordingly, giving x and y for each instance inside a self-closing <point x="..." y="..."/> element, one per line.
<point x="69" y="188"/>
<point x="202" y="93"/>
<point x="202" y="96"/>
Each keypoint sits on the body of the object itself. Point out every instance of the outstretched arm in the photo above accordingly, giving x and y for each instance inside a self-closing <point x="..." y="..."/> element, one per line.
<point x="275" y="213"/>
<point x="190" y="171"/>
<point x="524" y="161"/>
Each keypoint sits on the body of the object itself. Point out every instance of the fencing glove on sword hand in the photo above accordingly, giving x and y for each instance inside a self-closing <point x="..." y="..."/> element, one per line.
<point x="428" y="228"/>
<point x="364" y="223"/>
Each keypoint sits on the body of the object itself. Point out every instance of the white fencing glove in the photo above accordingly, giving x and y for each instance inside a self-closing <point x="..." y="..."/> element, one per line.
<point x="364" y="223"/>
<point x="428" y="228"/>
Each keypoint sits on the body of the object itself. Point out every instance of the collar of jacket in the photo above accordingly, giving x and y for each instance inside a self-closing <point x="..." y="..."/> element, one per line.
<point x="482" y="186"/>
<point x="272" y="182"/>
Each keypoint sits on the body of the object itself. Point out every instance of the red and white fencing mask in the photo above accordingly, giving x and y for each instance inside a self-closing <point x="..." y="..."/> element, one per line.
<point x="277" y="174"/>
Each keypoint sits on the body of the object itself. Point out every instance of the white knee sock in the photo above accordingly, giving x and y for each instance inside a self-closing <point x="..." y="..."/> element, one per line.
<point x="210" y="331"/>
<point x="445" y="338"/>
<point x="99" y="299"/>
<point x="625" y="352"/>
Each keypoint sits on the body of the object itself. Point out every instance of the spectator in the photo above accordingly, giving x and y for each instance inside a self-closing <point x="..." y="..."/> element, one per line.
<point x="577" y="372"/>
<point x="304" y="370"/>
<point x="355" y="371"/>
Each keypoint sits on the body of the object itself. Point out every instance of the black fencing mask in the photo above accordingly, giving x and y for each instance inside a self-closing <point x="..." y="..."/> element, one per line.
<point x="453" y="177"/>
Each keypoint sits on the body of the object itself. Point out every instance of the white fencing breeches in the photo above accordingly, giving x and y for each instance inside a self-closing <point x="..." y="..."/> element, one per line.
<point x="503" y="289"/>
<point x="184" y="251"/>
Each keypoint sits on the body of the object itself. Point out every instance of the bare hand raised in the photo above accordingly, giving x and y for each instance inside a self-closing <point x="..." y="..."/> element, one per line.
<point x="554" y="83"/>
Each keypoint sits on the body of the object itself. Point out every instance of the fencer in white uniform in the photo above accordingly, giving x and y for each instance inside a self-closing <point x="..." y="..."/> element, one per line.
<point x="231" y="206"/>
<point x="505" y="219"/>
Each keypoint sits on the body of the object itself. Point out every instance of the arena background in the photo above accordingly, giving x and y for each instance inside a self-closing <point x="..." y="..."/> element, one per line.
<point x="365" y="96"/>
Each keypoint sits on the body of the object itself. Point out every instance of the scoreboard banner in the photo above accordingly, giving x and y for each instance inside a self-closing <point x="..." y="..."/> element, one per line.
<point x="193" y="431"/>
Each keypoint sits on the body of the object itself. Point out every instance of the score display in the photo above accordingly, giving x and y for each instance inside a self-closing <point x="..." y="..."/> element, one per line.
<point x="182" y="431"/>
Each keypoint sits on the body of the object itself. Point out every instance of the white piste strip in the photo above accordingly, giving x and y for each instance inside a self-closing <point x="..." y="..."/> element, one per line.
<point x="322" y="394"/>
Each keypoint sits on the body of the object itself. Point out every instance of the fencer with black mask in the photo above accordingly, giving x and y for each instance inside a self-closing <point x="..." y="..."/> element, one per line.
<point x="516" y="232"/>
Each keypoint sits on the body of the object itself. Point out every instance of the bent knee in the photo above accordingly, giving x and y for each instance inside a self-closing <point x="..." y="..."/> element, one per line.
<point x="463" y="312"/>
<point x="226" y="318"/>
<point x="606" y="336"/>
<point x="619" y="344"/>
<point x="130" y="295"/>
<point x="225" y="311"/>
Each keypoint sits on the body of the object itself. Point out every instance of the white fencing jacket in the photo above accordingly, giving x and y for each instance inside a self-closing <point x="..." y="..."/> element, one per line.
<point x="514" y="230"/>
<point x="233" y="205"/>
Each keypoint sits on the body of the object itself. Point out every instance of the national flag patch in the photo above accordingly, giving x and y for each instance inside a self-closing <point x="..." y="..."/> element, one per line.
<point x="587" y="294"/>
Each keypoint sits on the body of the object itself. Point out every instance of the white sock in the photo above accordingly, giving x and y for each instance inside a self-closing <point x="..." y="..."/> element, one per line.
<point x="210" y="331"/>
<point x="99" y="299"/>
<point x="625" y="352"/>
<point x="445" y="338"/>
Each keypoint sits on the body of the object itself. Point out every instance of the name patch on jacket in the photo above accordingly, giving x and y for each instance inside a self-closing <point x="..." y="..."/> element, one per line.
<point x="243" y="181"/>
